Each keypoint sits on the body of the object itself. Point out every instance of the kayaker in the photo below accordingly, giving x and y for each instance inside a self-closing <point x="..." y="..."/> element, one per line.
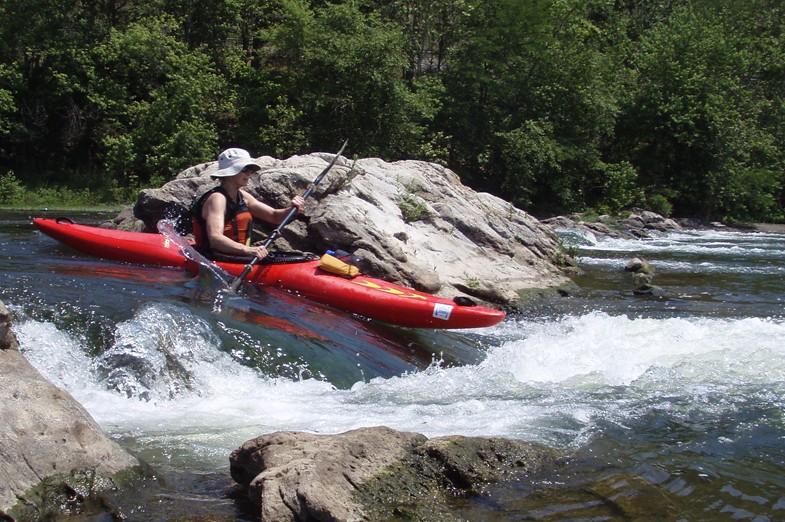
<point x="222" y="216"/>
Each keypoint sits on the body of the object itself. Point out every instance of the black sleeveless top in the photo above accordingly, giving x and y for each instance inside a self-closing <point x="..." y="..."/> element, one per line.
<point x="237" y="222"/>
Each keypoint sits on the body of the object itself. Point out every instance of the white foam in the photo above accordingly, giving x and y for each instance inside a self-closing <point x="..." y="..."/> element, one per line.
<point x="695" y="243"/>
<point x="551" y="383"/>
<point x="617" y="350"/>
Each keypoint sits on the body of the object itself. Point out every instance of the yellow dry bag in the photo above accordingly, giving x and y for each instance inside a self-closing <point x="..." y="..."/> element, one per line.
<point x="334" y="265"/>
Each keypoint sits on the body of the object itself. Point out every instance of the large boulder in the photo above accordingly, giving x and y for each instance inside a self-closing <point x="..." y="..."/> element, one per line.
<point x="44" y="435"/>
<point x="412" y="222"/>
<point x="374" y="473"/>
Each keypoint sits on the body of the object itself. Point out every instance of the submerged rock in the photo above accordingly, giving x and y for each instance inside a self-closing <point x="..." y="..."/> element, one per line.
<point x="412" y="222"/>
<point x="375" y="473"/>
<point x="649" y="290"/>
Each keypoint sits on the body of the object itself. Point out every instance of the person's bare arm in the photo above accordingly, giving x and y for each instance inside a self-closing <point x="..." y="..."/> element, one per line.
<point x="213" y="213"/>
<point x="267" y="213"/>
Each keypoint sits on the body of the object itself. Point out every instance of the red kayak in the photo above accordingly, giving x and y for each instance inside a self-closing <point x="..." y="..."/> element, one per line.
<point x="363" y="295"/>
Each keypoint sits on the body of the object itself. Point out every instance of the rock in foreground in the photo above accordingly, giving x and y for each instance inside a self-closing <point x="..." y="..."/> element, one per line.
<point x="44" y="435"/>
<point x="374" y="473"/>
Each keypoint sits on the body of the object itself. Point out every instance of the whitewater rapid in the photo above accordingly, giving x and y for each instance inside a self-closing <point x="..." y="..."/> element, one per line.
<point x="543" y="381"/>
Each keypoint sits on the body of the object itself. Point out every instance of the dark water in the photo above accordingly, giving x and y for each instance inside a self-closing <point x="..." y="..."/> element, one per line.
<point x="667" y="408"/>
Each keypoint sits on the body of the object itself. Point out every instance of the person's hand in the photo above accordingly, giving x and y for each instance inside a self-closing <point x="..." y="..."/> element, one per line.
<point x="298" y="202"/>
<point x="257" y="250"/>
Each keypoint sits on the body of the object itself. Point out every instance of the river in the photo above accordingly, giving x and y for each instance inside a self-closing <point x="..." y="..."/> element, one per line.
<point x="666" y="407"/>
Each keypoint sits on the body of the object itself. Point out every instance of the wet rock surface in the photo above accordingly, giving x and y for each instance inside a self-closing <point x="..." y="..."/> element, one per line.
<point x="46" y="436"/>
<point x="375" y="473"/>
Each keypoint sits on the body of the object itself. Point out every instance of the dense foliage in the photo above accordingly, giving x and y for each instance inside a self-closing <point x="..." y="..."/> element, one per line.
<point x="556" y="105"/>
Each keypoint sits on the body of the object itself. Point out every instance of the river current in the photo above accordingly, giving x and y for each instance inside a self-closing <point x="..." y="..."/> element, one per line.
<point x="667" y="407"/>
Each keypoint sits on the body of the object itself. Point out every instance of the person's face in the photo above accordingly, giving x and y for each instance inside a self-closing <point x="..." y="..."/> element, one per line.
<point x="244" y="176"/>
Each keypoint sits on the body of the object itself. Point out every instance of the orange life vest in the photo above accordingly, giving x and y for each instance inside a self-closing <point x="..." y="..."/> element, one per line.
<point x="237" y="221"/>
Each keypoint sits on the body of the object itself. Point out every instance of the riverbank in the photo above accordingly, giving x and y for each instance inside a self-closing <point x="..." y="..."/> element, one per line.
<point x="769" y="228"/>
<point x="639" y="224"/>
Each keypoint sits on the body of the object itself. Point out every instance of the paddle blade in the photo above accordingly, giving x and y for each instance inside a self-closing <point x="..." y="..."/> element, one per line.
<point x="237" y="282"/>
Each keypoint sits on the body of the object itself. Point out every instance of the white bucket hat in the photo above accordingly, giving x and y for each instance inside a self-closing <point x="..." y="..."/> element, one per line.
<point x="232" y="161"/>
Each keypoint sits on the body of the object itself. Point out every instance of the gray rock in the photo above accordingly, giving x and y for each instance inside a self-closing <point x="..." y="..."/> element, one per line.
<point x="304" y="476"/>
<point x="642" y="273"/>
<point x="638" y="224"/>
<point x="374" y="473"/>
<point x="7" y="338"/>
<point x="412" y="222"/>
<point x="638" y="265"/>
<point x="649" y="290"/>
<point x="642" y="278"/>
<point x="44" y="432"/>
<point x="641" y="223"/>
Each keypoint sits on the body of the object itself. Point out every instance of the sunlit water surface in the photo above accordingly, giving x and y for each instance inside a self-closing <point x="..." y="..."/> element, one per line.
<point x="666" y="407"/>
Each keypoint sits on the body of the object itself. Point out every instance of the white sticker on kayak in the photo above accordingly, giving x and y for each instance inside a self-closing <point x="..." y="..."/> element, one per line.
<point x="442" y="311"/>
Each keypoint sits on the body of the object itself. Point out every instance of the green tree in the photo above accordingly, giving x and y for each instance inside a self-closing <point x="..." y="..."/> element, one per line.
<point x="7" y="104"/>
<point x="161" y="101"/>
<point x="695" y="125"/>
<point x="533" y="94"/>
<point x="556" y="105"/>
<point x="430" y="28"/>
<point x="46" y="49"/>
<point x="338" y="73"/>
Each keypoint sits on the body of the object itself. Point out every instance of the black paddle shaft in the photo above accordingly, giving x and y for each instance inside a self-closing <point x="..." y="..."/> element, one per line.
<point x="289" y="217"/>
